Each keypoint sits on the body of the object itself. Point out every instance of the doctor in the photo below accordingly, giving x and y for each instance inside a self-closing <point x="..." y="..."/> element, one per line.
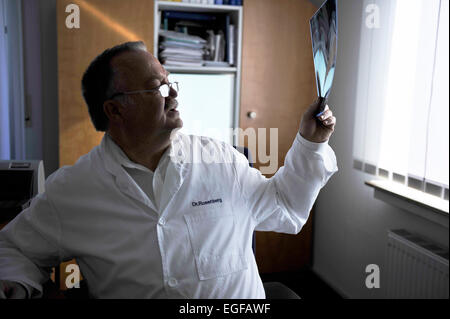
<point x="141" y="218"/>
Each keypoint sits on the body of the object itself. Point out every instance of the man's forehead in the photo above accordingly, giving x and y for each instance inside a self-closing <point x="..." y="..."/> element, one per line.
<point x="138" y="65"/>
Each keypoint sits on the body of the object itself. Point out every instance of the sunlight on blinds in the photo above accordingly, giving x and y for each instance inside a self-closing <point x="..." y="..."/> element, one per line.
<point x="397" y="119"/>
<point x="401" y="126"/>
<point x="438" y="133"/>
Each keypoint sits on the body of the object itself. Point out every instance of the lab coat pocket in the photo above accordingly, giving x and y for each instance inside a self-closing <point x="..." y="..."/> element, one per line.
<point x="213" y="240"/>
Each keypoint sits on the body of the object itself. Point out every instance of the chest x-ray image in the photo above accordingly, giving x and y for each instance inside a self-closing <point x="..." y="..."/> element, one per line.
<point x="324" y="37"/>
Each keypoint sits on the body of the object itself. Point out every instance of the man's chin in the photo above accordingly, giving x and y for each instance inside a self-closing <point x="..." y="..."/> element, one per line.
<point x="174" y="132"/>
<point x="177" y="125"/>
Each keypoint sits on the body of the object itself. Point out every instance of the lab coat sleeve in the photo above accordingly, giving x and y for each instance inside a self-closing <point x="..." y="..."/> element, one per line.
<point x="29" y="246"/>
<point x="283" y="203"/>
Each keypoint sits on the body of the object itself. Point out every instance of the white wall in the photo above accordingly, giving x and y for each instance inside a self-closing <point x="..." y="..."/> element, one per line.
<point x="32" y="78"/>
<point x="350" y="225"/>
<point x="49" y="66"/>
<point x="41" y="81"/>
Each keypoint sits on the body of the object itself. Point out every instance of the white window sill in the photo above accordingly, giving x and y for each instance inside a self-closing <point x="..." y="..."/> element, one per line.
<point x="425" y="205"/>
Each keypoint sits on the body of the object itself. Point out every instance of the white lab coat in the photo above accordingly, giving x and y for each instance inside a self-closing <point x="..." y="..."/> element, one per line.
<point x="195" y="244"/>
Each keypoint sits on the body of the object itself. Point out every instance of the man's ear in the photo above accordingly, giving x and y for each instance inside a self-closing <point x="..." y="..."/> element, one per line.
<point x="113" y="110"/>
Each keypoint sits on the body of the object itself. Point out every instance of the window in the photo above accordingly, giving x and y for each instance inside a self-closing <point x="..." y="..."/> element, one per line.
<point x="4" y="112"/>
<point x="12" y="129"/>
<point x="401" y="123"/>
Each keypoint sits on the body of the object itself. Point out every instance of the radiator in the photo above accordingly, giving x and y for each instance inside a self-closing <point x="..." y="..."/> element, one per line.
<point x="416" y="267"/>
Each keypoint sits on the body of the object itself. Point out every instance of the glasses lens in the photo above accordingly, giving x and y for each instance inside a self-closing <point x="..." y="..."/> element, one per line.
<point x="164" y="89"/>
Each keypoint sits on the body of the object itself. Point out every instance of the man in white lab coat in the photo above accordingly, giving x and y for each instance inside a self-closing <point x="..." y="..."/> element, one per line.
<point x="142" y="217"/>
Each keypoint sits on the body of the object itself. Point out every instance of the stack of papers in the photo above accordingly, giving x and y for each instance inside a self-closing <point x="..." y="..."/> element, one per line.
<point x="180" y="49"/>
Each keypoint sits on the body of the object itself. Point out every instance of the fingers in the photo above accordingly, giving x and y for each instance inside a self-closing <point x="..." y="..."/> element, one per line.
<point x="327" y="118"/>
<point x="325" y="108"/>
<point x="330" y="122"/>
<point x="327" y="113"/>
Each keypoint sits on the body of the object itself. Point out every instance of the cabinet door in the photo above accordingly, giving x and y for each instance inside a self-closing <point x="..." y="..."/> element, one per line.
<point x="278" y="84"/>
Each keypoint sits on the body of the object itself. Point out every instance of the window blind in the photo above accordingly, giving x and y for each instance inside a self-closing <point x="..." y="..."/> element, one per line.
<point x="401" y="127"/>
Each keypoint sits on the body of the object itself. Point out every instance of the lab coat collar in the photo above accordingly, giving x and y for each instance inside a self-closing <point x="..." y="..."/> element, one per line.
<point x="120" y="157"/>
<point x="174" y="177"/>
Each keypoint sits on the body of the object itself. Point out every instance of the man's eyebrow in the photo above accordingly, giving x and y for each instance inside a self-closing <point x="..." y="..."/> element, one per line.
<point x="152" y="79"/>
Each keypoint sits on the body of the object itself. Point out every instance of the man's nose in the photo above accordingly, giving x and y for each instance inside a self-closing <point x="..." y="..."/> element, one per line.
<point x="173" y="93"/>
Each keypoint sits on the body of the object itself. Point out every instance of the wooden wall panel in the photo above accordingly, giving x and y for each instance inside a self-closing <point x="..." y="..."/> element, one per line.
<point x="278" y="84"/>
<point x="103" y="24"/>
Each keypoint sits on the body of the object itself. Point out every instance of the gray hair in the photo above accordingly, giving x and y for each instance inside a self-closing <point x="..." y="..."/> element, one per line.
<point x="98" y="82"/>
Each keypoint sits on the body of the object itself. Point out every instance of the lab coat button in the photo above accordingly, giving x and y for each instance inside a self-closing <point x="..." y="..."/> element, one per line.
<point x="162" y="221"/>
<point x="173" y="282"/>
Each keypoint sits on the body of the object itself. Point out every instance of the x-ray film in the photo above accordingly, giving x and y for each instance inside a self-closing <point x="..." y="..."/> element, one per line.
<point x="324" y="43"/>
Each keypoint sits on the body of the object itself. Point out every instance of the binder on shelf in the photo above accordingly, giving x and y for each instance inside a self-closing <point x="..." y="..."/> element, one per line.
<point x="219" y="53"/>
<point x="231" y="44"/>
<point x="227" y="36"/>
<point x="189" y="15"/>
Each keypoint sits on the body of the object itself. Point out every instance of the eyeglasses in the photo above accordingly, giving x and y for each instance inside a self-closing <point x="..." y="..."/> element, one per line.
<point x="164" y="89"/>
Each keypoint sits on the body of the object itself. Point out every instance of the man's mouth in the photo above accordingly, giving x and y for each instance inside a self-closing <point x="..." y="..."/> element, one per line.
<point x="172" y="107"/>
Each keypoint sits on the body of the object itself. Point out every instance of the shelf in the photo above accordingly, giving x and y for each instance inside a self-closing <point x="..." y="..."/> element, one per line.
<point x="235" y="14"/>
<point x="184" y="6"/>
<point x="200" y="69"/>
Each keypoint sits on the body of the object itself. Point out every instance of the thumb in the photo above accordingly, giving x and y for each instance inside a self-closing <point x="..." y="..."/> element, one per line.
<point x="317" y="107"/>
